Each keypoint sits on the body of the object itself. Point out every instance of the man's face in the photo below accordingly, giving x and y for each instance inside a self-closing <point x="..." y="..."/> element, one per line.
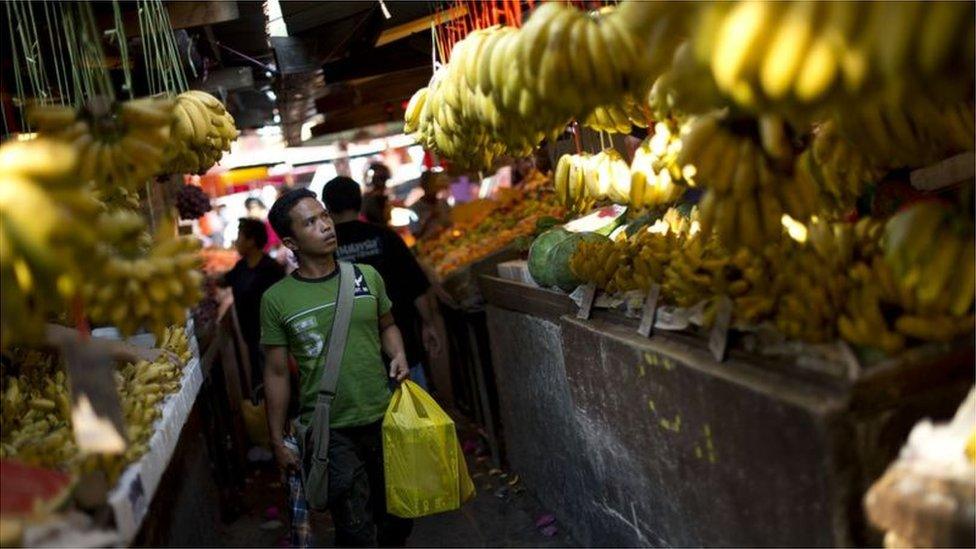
<point x="313" y="228"/>
<point x="243" y="244"/>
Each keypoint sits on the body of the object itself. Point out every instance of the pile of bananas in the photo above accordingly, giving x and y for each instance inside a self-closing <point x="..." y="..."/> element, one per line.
<point x="632" y="263"/>
<point x="746" y="197"/>
<point x="119" y="148"/>
<point x="655" y="176"/>
<point x="45" y="230"/>
<point x="799" y="53"/>
<point x="142" y="282"/>
<point x="908" y="133"/>
<point x="202" y="130"/>
<point x="36" y="412"/>
<point x="702" y="269"/>
<point x="836" y="167"/>
<point x="37" y="408"/>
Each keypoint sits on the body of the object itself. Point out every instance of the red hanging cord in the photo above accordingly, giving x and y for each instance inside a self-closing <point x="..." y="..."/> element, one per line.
<point x="81" y="322"/>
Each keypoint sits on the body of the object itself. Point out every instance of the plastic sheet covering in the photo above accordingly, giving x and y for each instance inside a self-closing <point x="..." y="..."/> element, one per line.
<point x="424" y="465"/>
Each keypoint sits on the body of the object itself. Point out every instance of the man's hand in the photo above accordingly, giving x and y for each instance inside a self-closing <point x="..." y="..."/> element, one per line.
<point x="399" y="370"/>
<point x="287" y="458"/>
<point x="431" y="339"/>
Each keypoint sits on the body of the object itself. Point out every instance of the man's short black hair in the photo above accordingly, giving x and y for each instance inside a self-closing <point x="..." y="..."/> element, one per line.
<point x="342" y="194"/>
<point x="280" y="214"/>
<point x="253" y="230"/>
<point x="255" y="201"/>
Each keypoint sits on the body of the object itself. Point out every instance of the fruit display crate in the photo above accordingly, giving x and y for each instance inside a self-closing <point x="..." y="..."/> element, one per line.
<point x="636" y="440"/>
<point x="136" y="487"/>
<point x="129" y="499"/>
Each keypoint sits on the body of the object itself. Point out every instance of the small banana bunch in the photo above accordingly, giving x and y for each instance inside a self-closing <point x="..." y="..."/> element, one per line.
<point x="810" y="293"/>
<point x="582" y="179"/>
<point x="745" y="198"/>
<point x="36" y="408"/>
<point x="176" y="341"/>
<point x="120" y="148"/>
<point x="908" y="133"/>
<point x="836" y="167"/>
<point x="568" y="180"/>
<point x="798" y="53"/>
<point x="202" y="130"/>
<point x="45" y="218"/>
<point x="654" y="170"/>
<point x="636" y="262"/>
<point x="931" y="254"/>
<point x="138" y="288"/>
<point x="701" y="269"/>
<point x="621" y="118"/>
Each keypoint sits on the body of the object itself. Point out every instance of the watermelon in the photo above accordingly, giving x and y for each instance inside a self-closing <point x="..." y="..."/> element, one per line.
<point x="562" y="253"/>
<point x="539" y="255"/>
<point x="601" y="221"/>
<point x="30" y="493"/>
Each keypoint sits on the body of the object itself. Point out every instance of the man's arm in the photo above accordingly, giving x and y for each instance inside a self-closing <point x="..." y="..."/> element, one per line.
<point x="393" y="347"/>
<point x="276" y="393"/>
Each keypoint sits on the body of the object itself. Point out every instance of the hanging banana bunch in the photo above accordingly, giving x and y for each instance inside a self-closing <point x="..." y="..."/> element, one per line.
<point x="45" y="233"/>
<point x="142" y="282"/>
<point x="202" y="131"/>
<point x="837" y="168"/>
<point x="790" y="55"/>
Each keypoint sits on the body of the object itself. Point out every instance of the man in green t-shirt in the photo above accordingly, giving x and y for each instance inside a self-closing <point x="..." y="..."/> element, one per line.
<point x="296" y="318"/>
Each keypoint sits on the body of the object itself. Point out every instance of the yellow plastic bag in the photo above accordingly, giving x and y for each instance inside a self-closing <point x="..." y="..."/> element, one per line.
<point x="423" y="462"/>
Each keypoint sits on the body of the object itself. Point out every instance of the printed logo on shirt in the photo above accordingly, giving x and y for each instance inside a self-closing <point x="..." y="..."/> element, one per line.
<point x="308" y="336"/>
<point x="358" y="251"/>
<point x="360" y="289"/>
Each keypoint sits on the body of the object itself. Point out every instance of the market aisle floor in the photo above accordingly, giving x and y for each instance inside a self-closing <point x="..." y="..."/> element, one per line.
<point x="503" y="514"/>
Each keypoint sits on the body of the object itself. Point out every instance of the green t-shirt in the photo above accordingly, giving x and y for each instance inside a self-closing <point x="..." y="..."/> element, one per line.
<point x="297" y="313"/>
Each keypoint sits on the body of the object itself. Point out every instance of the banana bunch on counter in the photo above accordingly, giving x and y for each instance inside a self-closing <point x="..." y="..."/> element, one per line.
<point x="746" y="197"/>
<point x="120" y="148"/>
<point x="148" y="286"/>
<point x="568" y="180"/>
<point x="799" y="53"/>
<point x="702" y="269"/>
<point x="931" y="254"/>
<point x="36" y="406"/>
<point x="202" y="131"/>
<point x="633" y="263"/>
<point x="45" y="234"/>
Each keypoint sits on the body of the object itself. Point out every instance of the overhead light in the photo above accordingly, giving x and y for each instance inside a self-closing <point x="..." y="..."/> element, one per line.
<point x="271" y="95"/>
<point x="386" y="12"/>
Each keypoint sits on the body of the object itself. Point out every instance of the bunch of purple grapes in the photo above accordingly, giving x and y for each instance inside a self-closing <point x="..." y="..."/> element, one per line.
<point x="192" y="202"/>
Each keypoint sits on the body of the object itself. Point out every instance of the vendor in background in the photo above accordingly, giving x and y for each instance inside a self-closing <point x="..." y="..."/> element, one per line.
<point x="254" y="273"/>
<point x="376" y="202"/>
<point x="380" y="247"/>
<point x="433" y="211"/>
<point x="257" y="210"/>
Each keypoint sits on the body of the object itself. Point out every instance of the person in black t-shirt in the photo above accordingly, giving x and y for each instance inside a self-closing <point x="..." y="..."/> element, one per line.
<point x="250" y="277"/>
<point x="380" y="247"/>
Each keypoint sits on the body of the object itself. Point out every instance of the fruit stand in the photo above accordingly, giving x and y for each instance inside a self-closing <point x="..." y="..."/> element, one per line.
<point x="102" y="375"/>
<point x="735" y="359"/>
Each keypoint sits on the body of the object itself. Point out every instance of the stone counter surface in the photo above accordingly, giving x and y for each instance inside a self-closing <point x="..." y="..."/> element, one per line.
<point x="636" y="441"/>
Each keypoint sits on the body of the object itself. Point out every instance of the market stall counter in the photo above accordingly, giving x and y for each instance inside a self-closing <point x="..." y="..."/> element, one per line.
<point x="635" y="440"/>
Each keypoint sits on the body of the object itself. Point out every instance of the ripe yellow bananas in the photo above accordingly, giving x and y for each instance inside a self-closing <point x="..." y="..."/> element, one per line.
<point x="202" y="131"/>
<point x="118" y="149"/>
<point x="45" y="234"/>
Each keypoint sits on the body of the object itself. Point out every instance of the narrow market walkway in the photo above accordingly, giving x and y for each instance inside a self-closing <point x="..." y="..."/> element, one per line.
<point x="503" y="514"/>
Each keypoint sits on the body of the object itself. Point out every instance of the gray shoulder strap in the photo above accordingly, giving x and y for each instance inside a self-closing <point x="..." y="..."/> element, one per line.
<point x="340" y="328"/>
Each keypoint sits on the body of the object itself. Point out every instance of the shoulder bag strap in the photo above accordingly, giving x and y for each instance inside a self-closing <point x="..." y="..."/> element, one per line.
<point x="340" y="329"/>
